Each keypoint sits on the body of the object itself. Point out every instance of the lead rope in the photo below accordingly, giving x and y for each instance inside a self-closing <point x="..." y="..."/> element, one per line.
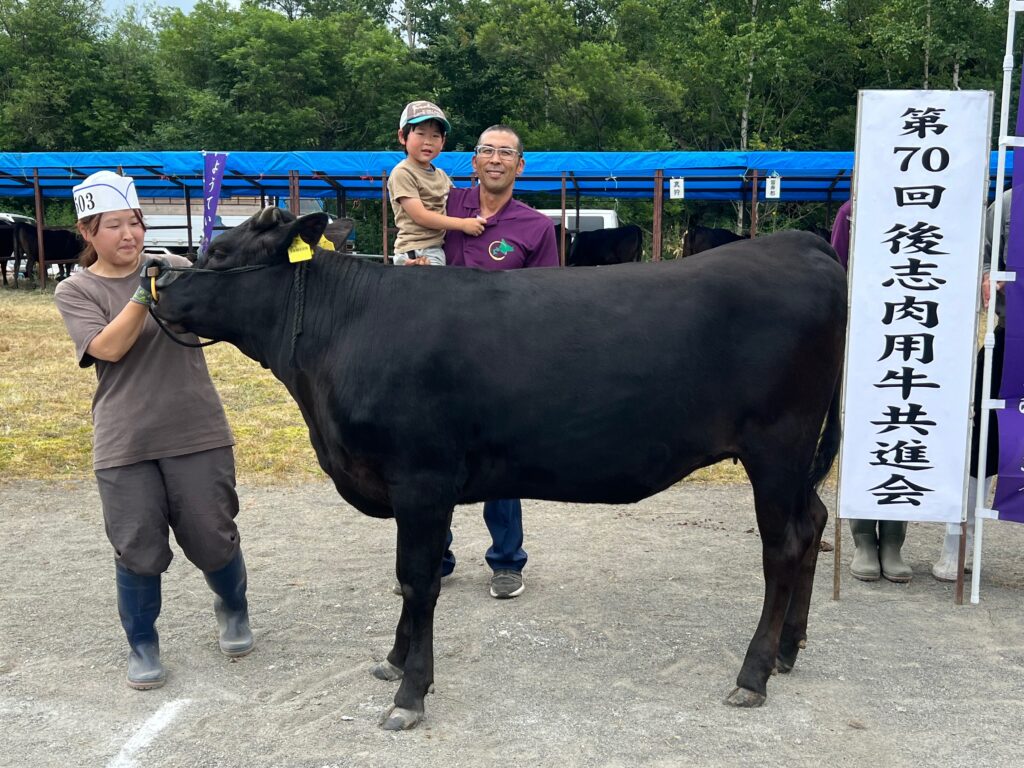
<point x="171" y="335"/>
<point x="300" y="303"/>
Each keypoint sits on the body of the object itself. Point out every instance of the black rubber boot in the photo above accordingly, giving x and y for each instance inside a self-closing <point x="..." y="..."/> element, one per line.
<point x="138" y="603"/>
<point x="231" y="607"/>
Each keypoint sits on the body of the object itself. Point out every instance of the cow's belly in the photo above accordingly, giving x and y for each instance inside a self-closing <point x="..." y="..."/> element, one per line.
<point x="599" y="462"/>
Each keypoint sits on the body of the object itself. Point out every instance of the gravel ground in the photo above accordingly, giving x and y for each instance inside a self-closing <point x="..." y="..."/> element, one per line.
<point x="628" y="637"/>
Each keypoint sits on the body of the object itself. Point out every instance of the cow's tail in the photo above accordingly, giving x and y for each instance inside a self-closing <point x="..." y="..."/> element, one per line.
<point x="828" y="443"/>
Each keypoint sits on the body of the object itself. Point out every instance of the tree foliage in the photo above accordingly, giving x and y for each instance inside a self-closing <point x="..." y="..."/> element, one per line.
<point x="569" y="74"/>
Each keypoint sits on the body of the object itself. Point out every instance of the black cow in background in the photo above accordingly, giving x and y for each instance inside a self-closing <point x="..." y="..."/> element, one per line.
<point x="338" y="232"/>
<point x="546" y="400"/>
<point x="6" y="246"/>
<point x="698" y="238"/>
<point x="617" y="245"/>
<point x="61" y="245"/>
<point x="822" y="232"/>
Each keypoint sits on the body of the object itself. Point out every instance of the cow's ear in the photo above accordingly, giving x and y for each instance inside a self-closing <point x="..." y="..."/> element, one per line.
<point x="309" y="227"/>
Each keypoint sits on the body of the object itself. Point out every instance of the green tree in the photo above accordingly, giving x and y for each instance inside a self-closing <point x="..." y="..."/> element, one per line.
<point x="128" y="98"/>
<point x="250" y="78"/>
<point x="52" y="65"/>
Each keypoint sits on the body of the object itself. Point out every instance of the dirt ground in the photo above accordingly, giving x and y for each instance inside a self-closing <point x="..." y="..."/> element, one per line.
<point x="628" y="637"/>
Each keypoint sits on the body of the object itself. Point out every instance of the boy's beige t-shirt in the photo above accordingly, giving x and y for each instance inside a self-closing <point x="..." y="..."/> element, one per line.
<point x="430" y="186"/>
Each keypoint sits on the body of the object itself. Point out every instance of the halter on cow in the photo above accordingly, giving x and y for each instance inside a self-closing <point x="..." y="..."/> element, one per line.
<point x="587" y="385"/>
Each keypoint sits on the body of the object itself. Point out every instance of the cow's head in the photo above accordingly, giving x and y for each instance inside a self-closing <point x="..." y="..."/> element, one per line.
<point x="217" y="304"/>
<point x="263" y="239"/>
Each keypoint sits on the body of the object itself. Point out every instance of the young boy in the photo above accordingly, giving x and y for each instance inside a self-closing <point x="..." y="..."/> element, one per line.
<point x="419" y="191"/>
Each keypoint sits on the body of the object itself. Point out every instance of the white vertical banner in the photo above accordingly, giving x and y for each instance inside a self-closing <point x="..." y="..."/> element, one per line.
<point x="920" y="186"/>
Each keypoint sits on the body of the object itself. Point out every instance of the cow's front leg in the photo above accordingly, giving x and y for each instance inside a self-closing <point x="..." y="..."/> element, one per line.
<point x="421" y="542"/>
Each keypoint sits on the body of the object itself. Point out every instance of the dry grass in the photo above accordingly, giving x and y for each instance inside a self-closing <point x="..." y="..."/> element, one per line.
<point x="46" y="430"/>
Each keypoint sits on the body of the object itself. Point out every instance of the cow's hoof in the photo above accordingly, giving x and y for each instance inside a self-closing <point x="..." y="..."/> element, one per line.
<point x="400" y="719"/>
<point x="742" y="697"/>
<point x="385" y="670"/>
<point x="785" y="661"/>
<point x="783" y="666"/>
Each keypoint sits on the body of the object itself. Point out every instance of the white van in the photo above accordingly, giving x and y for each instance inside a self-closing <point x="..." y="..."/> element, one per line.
<point x="590" y="218"/>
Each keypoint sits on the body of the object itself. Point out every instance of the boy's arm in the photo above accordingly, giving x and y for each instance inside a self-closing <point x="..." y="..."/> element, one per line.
<point x="432" y="220"/>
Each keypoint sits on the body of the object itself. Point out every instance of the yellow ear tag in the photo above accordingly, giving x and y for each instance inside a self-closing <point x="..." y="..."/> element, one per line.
<point x="326" y="244"/>
<point x="299" y="250"/>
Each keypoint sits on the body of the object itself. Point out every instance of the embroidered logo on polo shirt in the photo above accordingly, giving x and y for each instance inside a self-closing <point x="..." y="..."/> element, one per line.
<point x="499" y="249"/>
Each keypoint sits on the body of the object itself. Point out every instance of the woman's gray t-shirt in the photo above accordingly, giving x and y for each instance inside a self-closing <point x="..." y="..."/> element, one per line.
<point x="156" y="401"/>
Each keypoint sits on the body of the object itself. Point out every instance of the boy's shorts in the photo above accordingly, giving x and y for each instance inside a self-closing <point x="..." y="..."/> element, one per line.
<point x="434" y="254"/>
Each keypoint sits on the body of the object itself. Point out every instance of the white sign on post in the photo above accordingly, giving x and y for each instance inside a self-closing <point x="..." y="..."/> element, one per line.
<point x="920" y="187"/>
<point x="773" y="187"/>
<point x="675" y="189"/>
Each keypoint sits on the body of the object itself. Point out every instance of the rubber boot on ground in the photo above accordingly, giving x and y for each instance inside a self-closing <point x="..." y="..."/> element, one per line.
<point x="865" y="565"/>
<point x="138" y="604"/>
<point x="891" y="535"/>
<point x="231" y="607"/>
<point x="945" y="568"/>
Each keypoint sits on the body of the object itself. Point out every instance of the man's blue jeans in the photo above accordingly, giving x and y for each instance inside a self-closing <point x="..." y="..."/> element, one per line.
<point x="504" y="519"/>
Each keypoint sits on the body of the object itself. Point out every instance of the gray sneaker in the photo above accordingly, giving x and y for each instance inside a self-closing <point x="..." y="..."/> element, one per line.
<point x="506" y="584"/>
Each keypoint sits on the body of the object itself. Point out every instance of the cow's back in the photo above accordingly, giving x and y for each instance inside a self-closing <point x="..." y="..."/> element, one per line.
<point x="632" y="361"/>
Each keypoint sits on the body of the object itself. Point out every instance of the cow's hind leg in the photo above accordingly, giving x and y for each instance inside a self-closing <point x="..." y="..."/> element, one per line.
<point x="780" y="498"/>
<point x="794" y="629"/>
<point x="421" y="543"/>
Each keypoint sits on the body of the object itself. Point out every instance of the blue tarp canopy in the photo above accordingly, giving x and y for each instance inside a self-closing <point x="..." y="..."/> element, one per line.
<point x="805" y="176"/>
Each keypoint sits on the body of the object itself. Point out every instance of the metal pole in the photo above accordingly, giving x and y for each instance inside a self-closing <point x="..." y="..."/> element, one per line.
<point x="384" y="215"/>
<point x="293" y="192"/>
<point x="188" y="218"/>
<point x="576" y="188"/>
<point x="753" y="207"/>
<point x="659" y="194"/>
<point x="561" y="236"/>
<point x="837" y="524"/>
<point x="40" y="248"/>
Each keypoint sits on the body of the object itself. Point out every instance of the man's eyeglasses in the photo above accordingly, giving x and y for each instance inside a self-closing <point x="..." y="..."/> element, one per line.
<point x="505" y="153"/>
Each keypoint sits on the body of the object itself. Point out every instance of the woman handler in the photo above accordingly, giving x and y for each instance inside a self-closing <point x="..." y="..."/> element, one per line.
<point x="162" y="449"/>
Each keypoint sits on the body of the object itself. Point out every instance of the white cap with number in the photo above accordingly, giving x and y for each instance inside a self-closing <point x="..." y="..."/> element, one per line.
<point x="105" y="191"/>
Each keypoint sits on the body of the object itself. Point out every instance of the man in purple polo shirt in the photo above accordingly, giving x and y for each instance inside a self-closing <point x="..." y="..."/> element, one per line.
<point x="515" y="236"/>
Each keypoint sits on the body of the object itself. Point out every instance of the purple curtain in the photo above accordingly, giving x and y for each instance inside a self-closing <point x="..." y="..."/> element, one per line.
<point x="1009" y="499"/>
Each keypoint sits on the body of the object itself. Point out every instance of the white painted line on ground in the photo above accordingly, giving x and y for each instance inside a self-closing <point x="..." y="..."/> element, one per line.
<point x="149" y="731"/>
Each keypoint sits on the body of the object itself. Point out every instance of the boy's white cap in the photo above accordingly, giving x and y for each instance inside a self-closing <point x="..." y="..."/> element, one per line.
<point x="104" y="191"/>
<point x="421" y="111"/>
